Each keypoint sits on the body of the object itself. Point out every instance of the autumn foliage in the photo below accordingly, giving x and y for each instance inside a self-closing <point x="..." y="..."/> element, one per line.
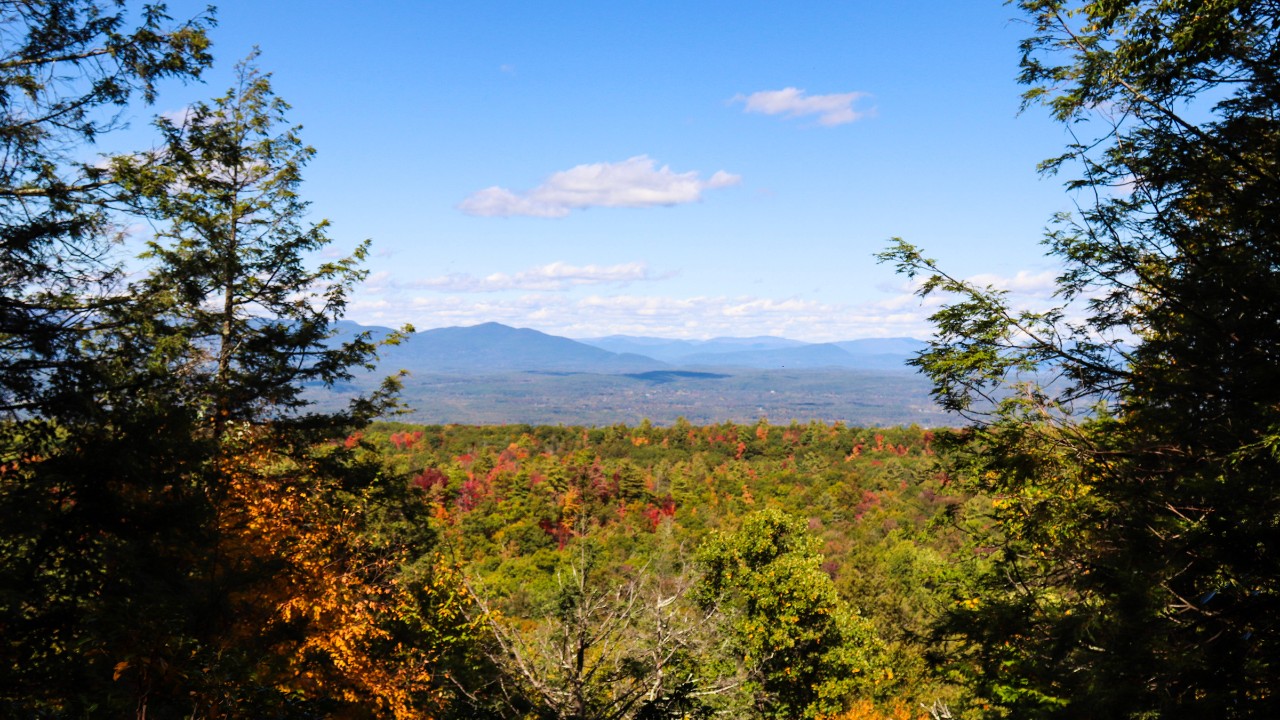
<point x="345" y="614"/>
<point x="530" y="511"/>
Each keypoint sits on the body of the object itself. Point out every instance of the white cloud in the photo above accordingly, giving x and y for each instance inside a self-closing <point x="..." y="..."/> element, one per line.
<point x="552" y="276"/>
<point x="634" y="182"/>
<point x="832" y="110"/>
<point x="711" y="316"/>
<point x="674" y="317"/>
<point x="378" y="283"/>
<point x="543" y="297"/>
<point x="1041" y="284"/>
<point x="501" y="202"/>
<point x="179" y="117"/>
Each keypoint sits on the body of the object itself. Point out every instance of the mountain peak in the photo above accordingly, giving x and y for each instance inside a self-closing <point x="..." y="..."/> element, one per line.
<point x="494" y="347"/>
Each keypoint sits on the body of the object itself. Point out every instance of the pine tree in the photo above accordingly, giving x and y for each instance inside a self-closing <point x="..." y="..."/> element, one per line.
<point x="230" y="276"/>
<point x="188" y="543"/>
<point x="67" y="68"/>
<point x="1134" y="493"/>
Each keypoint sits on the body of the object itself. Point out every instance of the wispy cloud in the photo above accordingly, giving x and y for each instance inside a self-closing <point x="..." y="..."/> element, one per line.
<point x="574" y="301"/>
<point x="633" y="314"/>
<point x="550" y="277"/>
<point x="1042" y="284"/>
<point x="179" y="117"/>
<point x="832" y="110"/>
<point x="635" y="182"/>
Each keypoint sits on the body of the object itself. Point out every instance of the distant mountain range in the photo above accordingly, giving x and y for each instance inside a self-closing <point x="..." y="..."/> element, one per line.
<point x="493" y="347"/>
<point x="768" y="353"/>
<point x="492" y="373"/>
<point x="676" y="350"/>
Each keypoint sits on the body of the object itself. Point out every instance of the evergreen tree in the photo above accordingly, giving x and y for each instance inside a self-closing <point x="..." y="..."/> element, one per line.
<point x="230" y="277"/>
<point x="187" y="543"/>
<point x="67" y="68"/>
<point x="1140" y="575"/>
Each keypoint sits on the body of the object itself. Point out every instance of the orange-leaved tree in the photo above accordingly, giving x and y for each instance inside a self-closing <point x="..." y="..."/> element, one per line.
<point x="333" y="576"/>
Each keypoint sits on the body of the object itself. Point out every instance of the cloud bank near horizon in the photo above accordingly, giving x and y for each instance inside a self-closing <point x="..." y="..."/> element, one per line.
<point x="636" y="182"/>
<point x="565" y="299"/>
<point x="697" y="317"/>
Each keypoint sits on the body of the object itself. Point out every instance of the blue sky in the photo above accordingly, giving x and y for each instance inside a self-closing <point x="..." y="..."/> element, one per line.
<point x="658" y="168"/>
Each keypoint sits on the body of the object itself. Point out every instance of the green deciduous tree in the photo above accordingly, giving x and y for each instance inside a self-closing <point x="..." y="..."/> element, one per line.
<point x="1140" y="571"/>
<point x="803" y="651"/>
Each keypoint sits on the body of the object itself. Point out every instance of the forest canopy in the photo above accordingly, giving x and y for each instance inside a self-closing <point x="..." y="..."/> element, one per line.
<point x="184" y="536"/>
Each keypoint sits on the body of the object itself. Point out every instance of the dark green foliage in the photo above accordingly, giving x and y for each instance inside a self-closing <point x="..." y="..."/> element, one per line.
<point x="166" y="508"/>
<point x="229" y="283"/>
<point x="66" y="67"/>
<point x="1137" y="568"/>
<point x="94" y="557"/>
<point x="83" y="546"/>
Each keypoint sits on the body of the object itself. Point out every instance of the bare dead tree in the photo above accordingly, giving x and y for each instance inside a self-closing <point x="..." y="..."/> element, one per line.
<point x="606" y="649"/>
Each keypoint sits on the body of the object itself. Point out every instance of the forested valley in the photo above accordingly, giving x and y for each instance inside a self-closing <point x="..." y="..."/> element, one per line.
<point x="782" y="571"/>
<point x="184" y="535"/>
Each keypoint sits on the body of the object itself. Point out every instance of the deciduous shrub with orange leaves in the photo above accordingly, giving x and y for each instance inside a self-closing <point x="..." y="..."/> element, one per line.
<point x="332" y="571"/>
<point x="867" y="710"/>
